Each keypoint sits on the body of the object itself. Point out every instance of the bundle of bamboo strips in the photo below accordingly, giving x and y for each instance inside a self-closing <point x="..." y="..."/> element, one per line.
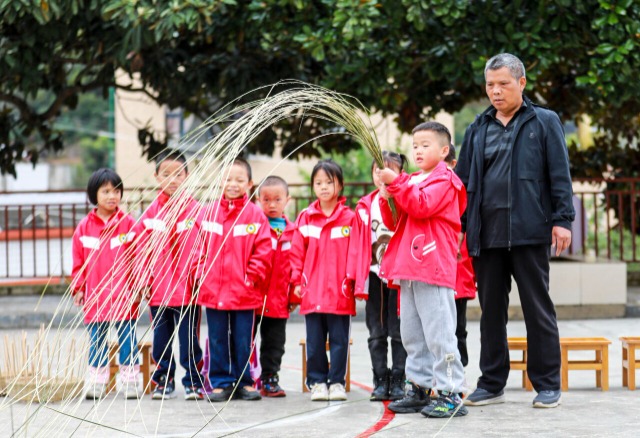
<point x="37" y="374"/>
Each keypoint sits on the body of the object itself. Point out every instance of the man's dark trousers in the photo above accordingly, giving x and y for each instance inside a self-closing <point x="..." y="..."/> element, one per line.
<point x="529" y="266"/>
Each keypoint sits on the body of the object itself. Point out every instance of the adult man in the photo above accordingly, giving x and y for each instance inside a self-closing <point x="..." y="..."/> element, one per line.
<point x="515" y="167"/>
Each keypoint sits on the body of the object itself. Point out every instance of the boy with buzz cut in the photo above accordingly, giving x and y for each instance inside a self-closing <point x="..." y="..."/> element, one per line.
<point x="168" y="233"/>
<point x="422" y="257"/>
<point x="273" y="195"/>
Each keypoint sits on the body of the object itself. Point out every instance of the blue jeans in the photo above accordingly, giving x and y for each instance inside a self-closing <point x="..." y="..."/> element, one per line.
<point x="183" y="322"/>
<point x="99" y="345"/>
<point x="230" y="339"/>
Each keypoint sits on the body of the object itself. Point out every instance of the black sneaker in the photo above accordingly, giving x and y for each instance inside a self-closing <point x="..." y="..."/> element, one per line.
<point x="447" y="405"/>
<point x="414" y="401"/>
<point x="164" y="389"/>
<point x="222" y="396"/>
<point x="248" y="393"/>
<point x="482" y="397"/>
<point x="547" y="399"/>
<point x="193" y="393"/>
<point x="380" y="387"/>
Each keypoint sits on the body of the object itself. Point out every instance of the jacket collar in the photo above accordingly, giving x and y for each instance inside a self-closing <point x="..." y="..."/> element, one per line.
<point x="490" y="112"/>
<point x="315" y="208"/>
<point x="113" y="220"/>
<point x="233" y="204"/>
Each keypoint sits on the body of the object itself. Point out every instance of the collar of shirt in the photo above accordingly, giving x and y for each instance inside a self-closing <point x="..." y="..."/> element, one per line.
<point x="492" y="114"/>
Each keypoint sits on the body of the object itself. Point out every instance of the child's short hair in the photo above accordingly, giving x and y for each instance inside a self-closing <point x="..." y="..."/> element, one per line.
<point x="331" y="168"/>
<point x="436" y="127"/>
<point x="274" y="180"/>
<point x="451" y="155"/>
<point x="389" y="157"/>
<point x="98" y="179"/>
<point x="171" y="155"/>
<point x="244" y="163"/>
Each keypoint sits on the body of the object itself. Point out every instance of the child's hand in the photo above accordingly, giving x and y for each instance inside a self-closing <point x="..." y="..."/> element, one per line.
<point x="386" y="175"/>
<point x="292" y="307"/>
<point x="384" y="193"/>
<point x="78" y="299"/>
<point x="146" y="293"/>
<point x="296" y="291"/>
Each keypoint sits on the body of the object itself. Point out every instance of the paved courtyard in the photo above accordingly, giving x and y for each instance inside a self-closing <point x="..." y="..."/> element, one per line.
<point x="585" y="410"/>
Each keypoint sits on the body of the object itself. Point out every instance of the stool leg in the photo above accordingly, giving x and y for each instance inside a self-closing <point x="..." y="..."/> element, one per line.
<point x="599" y="371"/>
<point x="113" y="367"/>
<point x="632" y="368"/>
<point x="145" y="367"/>
<point x="565" y="368"/>
<point x="625" y="357"/>
<point x="348" y="382"/>
<point x="605" y="368"/>
<point x="304" y="369"/>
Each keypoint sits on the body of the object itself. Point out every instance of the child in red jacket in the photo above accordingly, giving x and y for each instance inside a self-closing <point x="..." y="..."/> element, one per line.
<point x="318" y="259"/>
<point x="165" y="251"/>
<point x="273" y="194"/>
<point x="369" y="240"/>
<point x="465" y="282"/>
<point x="101" y="268"/>
<point x="422" y="257"/>
<point x="235" y="261"/>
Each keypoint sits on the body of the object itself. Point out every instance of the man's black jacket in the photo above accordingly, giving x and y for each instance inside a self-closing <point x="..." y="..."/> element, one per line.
<point x="540" y="193"/>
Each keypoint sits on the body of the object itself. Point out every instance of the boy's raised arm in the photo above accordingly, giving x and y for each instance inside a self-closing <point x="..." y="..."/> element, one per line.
<point x="423" y="202"/>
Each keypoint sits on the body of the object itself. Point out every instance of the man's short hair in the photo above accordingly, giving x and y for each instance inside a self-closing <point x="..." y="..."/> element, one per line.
<point x="513" y="63"/>
<point x="274" y="180"/>
<point x="436" y="127"/>
<point x="170" y="155"/>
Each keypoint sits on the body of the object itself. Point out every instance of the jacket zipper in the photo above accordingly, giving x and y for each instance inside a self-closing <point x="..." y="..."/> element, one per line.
<point x="516" y="131"/>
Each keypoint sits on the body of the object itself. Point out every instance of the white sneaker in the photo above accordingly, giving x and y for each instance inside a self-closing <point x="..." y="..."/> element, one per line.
<point x="131" y="390"/>
<point x="95" y="391"/>
<point x="337" y="392"/>
<point x="319" y="392"/>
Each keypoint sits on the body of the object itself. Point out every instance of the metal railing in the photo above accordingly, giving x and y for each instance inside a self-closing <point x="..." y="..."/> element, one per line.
<point x="35" y="237"/>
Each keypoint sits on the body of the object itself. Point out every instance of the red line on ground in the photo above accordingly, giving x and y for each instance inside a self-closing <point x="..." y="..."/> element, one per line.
<point x="387" y="415"/>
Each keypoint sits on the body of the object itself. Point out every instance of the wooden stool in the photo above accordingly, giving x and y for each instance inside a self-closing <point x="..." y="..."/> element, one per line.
<point x="520" y="344"/>
<point x="303" y="343"/>
<point x="145" y="366"/>
<point x="629" y="360"/>
<point x="600" y="364"/>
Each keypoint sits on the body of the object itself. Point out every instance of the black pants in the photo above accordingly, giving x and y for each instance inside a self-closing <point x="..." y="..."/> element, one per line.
<point x="272" y="339"/>
<point x="337" y="328"/>
<point x="461" y="329"/>
<point x="383" y="322"/>
<point x="529" y="266"/>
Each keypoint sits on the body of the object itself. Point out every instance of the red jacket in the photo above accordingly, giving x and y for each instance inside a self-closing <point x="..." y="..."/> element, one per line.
<point x="318" y="260"/>
<point x="279" y="290"/>
<point x="166" y="249"/>
<point x="359" y="259"/>
<point x="235" y="255"/>
<point x="102" y="258"/>
<point x="425" y="244"/>
<point x="466" y="278"/>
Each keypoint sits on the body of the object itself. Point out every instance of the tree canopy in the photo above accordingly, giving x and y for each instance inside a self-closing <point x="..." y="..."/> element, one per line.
<point x="408" y="58"/>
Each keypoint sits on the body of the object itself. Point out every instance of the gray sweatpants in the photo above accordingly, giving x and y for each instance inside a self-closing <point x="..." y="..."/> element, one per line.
<point x="428" y="329"/>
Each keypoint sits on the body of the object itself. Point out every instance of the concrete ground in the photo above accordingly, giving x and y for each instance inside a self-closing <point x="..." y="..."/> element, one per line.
<point x="585" y="410"/>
